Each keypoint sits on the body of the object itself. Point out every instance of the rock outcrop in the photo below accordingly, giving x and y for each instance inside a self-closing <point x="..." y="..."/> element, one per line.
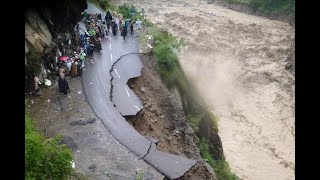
<point x="44" y="21"/>
<point x="37" y="33"/>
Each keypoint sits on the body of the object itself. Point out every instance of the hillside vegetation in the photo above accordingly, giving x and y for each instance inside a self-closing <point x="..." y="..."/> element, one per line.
<point x="45" y="158"/>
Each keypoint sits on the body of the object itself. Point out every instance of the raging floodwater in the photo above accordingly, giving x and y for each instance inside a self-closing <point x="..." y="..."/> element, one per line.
<point x="237" y="61"/>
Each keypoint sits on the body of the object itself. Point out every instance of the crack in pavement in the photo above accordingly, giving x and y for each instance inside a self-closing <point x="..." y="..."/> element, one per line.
<point x="111" y="91"/>
<point x="153" y="146"/>
<point x="111" y="70"/>
<point x="148" y="149"/>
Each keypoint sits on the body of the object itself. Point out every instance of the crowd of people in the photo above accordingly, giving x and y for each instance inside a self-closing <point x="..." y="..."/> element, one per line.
<point x="80" y="45"/>
<point x="85" y="43"/>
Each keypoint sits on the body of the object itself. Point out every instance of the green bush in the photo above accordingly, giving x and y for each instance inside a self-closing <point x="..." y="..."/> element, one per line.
<point x="147" y="23"/>
<point x="34" y="62"/>
<point x="220" y="167"/>
<point x="193" y="121"/>
<point x="138" y="16"/>
<point x="45" y="158"/>
<point x="127" y="11"/>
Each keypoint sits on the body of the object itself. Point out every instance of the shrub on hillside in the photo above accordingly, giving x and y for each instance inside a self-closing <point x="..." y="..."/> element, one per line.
<point x="45" y="158"/>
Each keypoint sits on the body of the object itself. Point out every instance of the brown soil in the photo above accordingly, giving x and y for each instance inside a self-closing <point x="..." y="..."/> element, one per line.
<point x="163" y="118"/>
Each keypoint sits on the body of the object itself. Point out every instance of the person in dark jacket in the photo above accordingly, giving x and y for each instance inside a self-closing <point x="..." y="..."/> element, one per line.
<point x="63" y="85"/>
<point x="124" y="32"/>
<point x="131" y="27"/>
<point x="114" y="27"/>
<point x="79" y="68"/>
<point x="108" y="20"/>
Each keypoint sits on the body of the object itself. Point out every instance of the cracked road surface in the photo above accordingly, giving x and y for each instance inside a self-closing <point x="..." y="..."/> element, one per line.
<point x="96" y="80"/>
<point x="127" y="67"/>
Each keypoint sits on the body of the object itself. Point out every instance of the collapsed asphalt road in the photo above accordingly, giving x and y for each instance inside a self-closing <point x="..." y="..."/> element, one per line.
<point x="104" y="80"/>
<point x="125" y="100"/>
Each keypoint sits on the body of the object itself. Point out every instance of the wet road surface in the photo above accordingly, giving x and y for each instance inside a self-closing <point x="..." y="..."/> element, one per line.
<point x="98" y="81"/>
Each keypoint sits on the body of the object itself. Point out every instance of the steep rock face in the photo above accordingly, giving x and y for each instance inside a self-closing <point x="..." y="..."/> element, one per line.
<point x="26" y="51"/>
<point x="44" y="21"/>
<point x="37" y="33"/>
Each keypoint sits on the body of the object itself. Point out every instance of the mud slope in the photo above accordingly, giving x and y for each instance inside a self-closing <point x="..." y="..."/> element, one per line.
<point x="239" y="64"/>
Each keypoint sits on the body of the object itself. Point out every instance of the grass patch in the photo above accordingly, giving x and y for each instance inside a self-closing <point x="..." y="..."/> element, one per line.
<point x="140" y="176"/>
<point x="220" y="167"/>
<point x="193" y="121"/>
<point x="45" y="158"/>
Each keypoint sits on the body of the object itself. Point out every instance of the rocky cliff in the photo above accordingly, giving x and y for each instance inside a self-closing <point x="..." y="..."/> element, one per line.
<point x="44" y="21"/>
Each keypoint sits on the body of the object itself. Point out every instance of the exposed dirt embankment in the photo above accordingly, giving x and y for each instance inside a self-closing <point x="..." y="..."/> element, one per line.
<point x="162" y="118"/>
<point x="244" y="67"/>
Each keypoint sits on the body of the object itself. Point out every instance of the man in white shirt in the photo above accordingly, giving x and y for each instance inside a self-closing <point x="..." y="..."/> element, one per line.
<point x="138" y="24"/>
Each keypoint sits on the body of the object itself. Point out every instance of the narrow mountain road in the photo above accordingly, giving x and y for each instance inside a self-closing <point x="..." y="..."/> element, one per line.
<point x="105" y="80"/>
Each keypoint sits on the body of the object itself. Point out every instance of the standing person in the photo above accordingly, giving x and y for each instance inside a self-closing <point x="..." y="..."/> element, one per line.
<point x="138" y="23"/>
<point x="103" y="16"/>
<point x="37" y="86"/>
<point x="82" y="57"/>
<point x="102" y="32"/>
<point x="76" y="67"/>
<point x="73" y="69"/>
<point x="85" y="15"/>
<point x="63" y="85"/>
<point x="98" y="44"/>
<point x="81" y="38"/>
<point x="114" y="27"/>
<point x="62" y="72"/>
<point x="108" y="19"/>
<point x="124" y="32"/>
<point x="86" y="47"/>
<point x="79" y="68"/>
<point x="78" y="28"/>
<point x="131" y="27"/>
<point x="77" y="39"/>
<point x="91" y="49"/>
<point x="127" y="22"/>
<point x="97" y="33"/>
<point x="68" y="66"/>
<point x="120" y="24"/>
<point x="60" y="48"/>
